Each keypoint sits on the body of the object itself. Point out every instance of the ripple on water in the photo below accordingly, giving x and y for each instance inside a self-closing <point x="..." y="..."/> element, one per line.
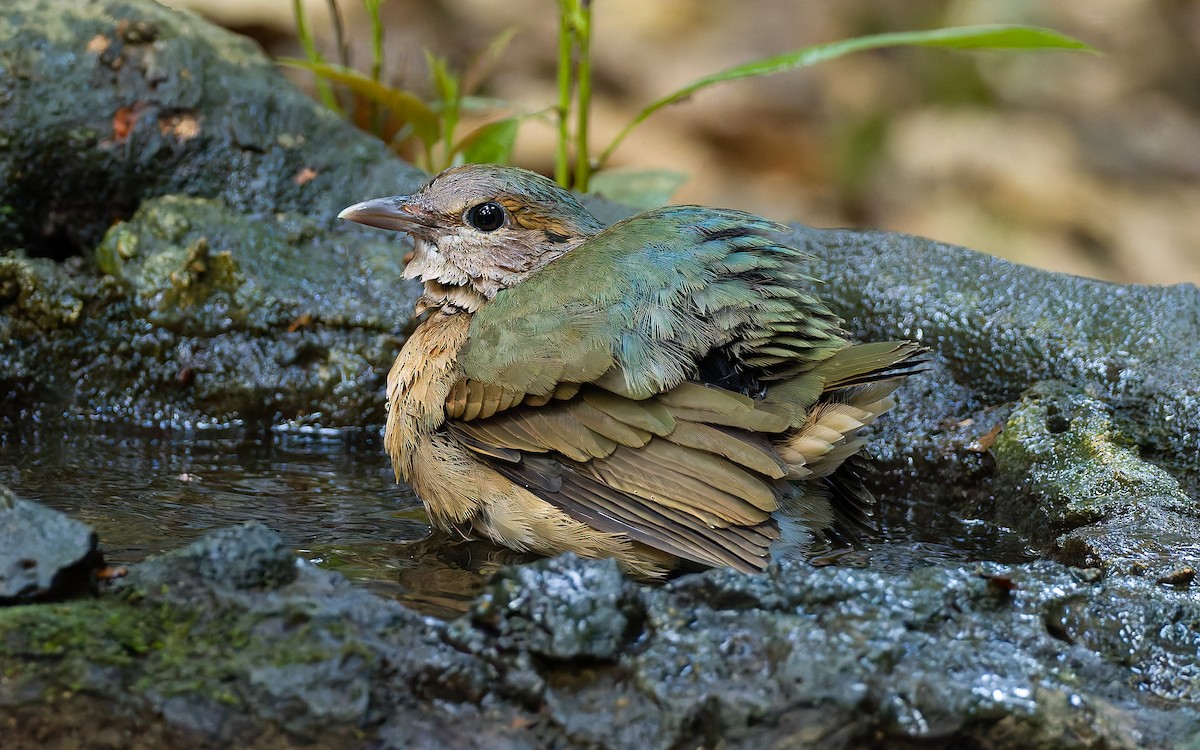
<point x="337" y="504"/>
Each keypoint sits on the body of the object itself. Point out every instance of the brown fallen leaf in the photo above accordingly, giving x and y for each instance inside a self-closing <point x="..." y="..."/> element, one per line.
<point x="304" y="320"/>
<point x="123" y="121"/>
<point x="305" y="176"/>
<point x="985" y="442"/>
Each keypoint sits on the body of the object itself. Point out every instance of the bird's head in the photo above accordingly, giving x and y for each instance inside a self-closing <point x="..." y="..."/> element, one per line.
<point x="480" y="228"/>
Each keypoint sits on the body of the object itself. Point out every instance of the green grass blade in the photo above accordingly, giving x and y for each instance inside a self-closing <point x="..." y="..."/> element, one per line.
<point x="339" y="32"/>
<point x="482" y="65"/>
<point x="446" y="83"/>
<point x="583" y="94"/>
<point x="566" y="43"/>
<point x="403" y="104"/>
<point x="310" y="50"/>
<point x="373" y="7"/>
<point x="988" y="37"/>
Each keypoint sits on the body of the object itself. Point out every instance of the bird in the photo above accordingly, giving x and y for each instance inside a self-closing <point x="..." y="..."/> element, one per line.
<point x="669" y="391"/>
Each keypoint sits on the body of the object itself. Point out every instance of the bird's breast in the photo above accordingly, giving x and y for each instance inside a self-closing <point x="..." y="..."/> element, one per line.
<point x="419" y="382"/>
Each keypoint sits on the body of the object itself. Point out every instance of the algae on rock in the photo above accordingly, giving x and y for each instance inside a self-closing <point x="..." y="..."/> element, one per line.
<point x="269" y="312"/>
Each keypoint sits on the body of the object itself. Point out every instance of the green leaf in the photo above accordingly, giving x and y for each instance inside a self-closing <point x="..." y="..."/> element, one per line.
<point x="310" y="51"/>
<point x="444" y="81"/>
<point x="995" y="37"/>
<point x="491" y="143"/>
<point x="640" y="188"/>
<point x="483" y="63"/>
<point x="404" y="104"/>
<point x="448" y="108"/>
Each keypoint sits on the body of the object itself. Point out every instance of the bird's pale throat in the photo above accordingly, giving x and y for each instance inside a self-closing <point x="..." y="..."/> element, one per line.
<point x="446" y="285"/>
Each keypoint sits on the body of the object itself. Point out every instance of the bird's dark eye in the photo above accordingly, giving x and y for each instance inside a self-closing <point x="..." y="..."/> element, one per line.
<point x="486" y="217"/>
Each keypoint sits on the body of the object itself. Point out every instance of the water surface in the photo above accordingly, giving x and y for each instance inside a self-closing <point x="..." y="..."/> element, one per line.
<point x="335" y="501"/>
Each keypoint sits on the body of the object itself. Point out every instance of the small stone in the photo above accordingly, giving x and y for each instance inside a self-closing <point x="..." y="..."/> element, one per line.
<point x="246" y="556"/>
<point x="560" y="608"/>
<point x="1181" y="576"/>
<point x="44" y="554"/>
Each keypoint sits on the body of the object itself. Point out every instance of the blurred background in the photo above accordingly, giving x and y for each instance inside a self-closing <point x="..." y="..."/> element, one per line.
<point x="1083" y="163"/>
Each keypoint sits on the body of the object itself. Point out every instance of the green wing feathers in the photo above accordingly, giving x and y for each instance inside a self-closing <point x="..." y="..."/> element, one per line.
<point x="652" y="297"/>
<point x="676" y="381"/>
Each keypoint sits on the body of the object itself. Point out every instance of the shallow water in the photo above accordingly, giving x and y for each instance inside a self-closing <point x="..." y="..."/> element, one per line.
<point x="334" y="500"/>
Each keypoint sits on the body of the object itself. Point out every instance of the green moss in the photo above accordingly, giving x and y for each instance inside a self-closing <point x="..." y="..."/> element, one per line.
<point x="43" y="298"/>
<point x="111" y="633"/>
<point x="1064" y="446"/>
<point x="154" y="647"/>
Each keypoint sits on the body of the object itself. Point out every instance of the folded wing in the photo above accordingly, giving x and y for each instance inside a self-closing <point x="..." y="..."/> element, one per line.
<point x="646" y="383"/>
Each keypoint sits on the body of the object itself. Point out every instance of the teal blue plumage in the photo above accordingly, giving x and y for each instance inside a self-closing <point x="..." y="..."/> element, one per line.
<point x="659" y="292"/>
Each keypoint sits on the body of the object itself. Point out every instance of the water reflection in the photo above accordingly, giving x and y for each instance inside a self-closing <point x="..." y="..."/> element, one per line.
<point x="334" y="500"/>
<point x="144" y="492"/>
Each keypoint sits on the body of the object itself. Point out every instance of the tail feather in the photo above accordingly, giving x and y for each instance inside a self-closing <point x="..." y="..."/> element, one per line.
<point x="830" y="435"/>
<point x="825" y="453"/>
<point x="866" y="363"/>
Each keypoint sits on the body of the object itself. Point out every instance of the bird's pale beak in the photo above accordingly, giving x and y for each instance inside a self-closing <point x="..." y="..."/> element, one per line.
<point x="397" y="212"/>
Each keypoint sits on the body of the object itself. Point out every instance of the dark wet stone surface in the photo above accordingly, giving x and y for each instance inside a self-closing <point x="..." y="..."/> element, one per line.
<point x="1070" y="407"/>
<point x="169" y="252"/>
<point x="44" y="554"/>
<point x="586" y="613"/>
<point x="998" y="328"/>
<point x="229" y="640"/>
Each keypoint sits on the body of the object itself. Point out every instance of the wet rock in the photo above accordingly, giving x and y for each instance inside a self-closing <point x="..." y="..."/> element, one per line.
<point x="585" y="611"/>
<point x="107" y="104"/>
<point x="992" y="656"/>
<point x="1118" y="437"/>
<point x="1159" y="640"/>
<point x="228" y="643"/>
<point x="206" y="649"/>
<point x="223" y="290"/>
<point x="1078" y="474"/>
<point x="44" y="554"/>
<point x="249" y="556"/>
<point x="998" y="328"/>
<point x="1075" y="464"/>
